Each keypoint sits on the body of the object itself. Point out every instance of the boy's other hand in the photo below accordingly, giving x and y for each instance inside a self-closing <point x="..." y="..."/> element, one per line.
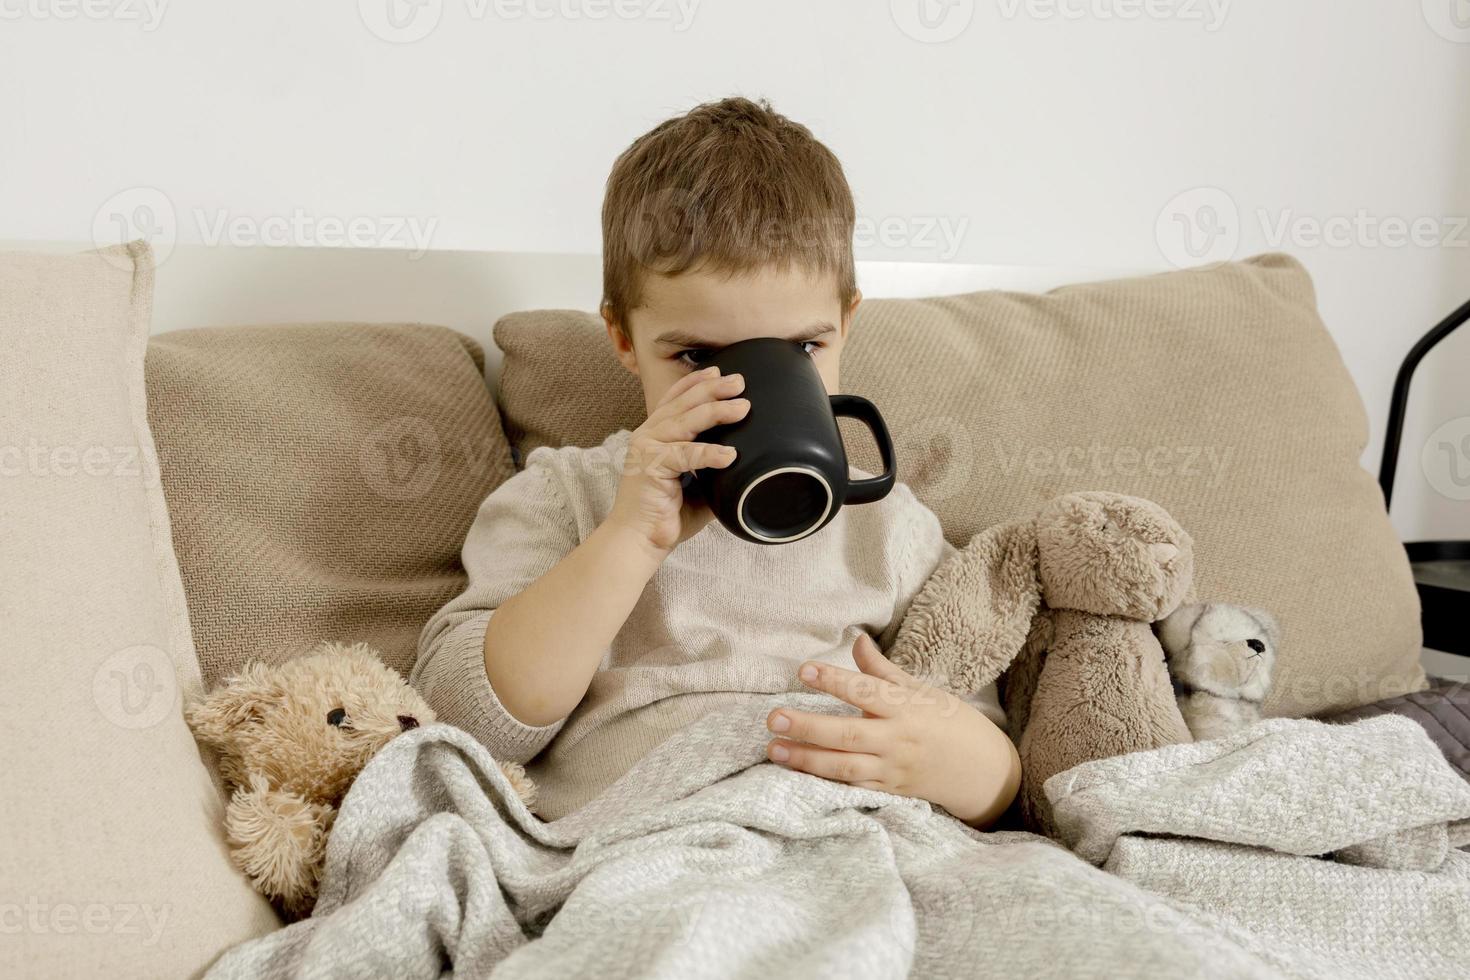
<point x="912" y="739"/>
<point x="650" y="502"/>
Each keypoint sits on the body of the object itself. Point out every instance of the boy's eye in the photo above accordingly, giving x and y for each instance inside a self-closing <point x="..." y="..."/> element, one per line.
<point x="695" y="357"/>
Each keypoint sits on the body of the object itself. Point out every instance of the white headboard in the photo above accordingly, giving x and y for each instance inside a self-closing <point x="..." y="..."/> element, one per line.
<point x="204" y="286"/>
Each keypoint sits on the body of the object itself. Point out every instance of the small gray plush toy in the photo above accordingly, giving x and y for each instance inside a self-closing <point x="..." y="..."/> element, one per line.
<point x="1220" y="659"/>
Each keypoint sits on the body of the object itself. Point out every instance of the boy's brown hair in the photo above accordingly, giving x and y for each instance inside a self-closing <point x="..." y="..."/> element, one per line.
<point x="731" y="186"/>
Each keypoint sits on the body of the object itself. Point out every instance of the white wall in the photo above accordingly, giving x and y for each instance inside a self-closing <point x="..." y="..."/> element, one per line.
<point x="1043" y="131"/>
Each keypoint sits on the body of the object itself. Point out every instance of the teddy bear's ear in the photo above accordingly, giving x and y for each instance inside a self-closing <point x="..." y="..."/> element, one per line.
<point x="1267" y="622"/>
<point x="971" y="618"/>
<point x="242" y="699"/>
<point x="1176" y="630"/>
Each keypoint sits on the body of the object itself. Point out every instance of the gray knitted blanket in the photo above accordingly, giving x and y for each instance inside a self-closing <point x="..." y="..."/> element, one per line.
<point x="1294" y="848"/>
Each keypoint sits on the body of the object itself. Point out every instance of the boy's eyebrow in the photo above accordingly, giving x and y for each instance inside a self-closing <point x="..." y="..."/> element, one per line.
<point x="678" y="338"/>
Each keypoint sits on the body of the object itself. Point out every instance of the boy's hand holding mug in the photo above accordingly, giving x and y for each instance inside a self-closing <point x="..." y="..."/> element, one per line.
<point x="771" y="475"/>
<point x="651" y="504"/>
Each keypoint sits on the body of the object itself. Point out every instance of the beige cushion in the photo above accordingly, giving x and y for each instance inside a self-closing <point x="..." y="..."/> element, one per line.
<point x="321" y="479"/>
<point x="113" y="862"/>
<point x="1216" y="392"/>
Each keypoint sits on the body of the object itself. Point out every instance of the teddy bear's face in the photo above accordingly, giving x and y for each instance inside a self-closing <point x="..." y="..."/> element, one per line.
<point x="311" y="724"/>
<point x="1113" y="555"/>
<point x="1225" y="650"/>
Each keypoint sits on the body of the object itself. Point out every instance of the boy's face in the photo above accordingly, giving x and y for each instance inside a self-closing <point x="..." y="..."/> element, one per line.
<point x="685" y="318"/>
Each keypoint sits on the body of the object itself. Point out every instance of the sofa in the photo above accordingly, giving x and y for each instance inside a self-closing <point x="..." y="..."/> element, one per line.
<point x="176" y="505"/>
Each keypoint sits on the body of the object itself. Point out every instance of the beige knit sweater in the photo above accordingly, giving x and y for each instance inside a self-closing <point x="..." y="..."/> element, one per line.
<point x="722" y="619"/>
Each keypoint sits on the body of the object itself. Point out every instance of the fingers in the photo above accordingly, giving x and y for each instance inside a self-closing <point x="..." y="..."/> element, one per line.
<point x="870" y="660"/>
<point x="872" y="694"/>
<point x="668" y="459"/>
<point x="692" y="389"/>
<point x="845" y="733"/>
<point x="704" y="387"/>
<point x="708" y="402"/>
<point x="697" y="419"/>
<point x="665" y="446"/>
<point x="685" y="383"/>
<point x="856" y="768"/>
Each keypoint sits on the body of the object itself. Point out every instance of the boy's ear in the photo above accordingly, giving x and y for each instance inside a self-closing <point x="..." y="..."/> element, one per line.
<point x="850" y="312"/>
<point x="622" y="343"/>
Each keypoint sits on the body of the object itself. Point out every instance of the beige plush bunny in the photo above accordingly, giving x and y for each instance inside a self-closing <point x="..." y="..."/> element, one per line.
<point x="1065" y="601"/>
<point x="291" y="739"/>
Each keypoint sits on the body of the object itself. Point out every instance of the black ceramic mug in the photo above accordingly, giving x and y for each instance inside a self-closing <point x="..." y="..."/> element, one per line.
<point x="790" y="472"/>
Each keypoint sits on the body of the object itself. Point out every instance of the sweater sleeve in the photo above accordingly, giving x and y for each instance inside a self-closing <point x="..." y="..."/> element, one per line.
<point x="521" y="530"/>
<point x="924" y="548"/>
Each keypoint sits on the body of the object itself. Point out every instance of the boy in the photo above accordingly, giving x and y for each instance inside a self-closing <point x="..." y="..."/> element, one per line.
<point x="604" y="610"/>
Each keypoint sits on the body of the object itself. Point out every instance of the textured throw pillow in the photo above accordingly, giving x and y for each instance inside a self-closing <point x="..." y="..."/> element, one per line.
<point x="321" y="479"/>
<point x="1217" y="392"/>
<point x="113" y="862"/>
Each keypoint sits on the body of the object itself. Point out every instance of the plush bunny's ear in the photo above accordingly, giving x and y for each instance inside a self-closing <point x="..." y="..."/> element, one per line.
<point x="239" y="700"/>
<point x="972" y="616"/>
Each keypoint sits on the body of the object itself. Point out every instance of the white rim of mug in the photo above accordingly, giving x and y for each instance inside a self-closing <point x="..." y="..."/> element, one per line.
<point x="740" y="505"/>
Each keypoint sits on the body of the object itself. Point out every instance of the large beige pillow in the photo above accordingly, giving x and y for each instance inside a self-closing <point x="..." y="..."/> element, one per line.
<point x="113" y="862"/>
<point x="321" y="479"/>
<point x="1216" y="392"/>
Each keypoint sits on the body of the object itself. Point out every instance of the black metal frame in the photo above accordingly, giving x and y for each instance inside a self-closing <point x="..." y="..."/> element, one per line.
<point x="1400" y="403"/>
<point x="1444" y="619"/>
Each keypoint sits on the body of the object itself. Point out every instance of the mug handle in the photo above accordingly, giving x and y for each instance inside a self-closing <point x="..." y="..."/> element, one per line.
<point x="876" y="487"/>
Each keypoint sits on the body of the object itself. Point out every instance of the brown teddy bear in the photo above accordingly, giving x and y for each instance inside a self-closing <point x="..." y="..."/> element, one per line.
<point x="1065" y="600"/>
<point x="291" y="739"/>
